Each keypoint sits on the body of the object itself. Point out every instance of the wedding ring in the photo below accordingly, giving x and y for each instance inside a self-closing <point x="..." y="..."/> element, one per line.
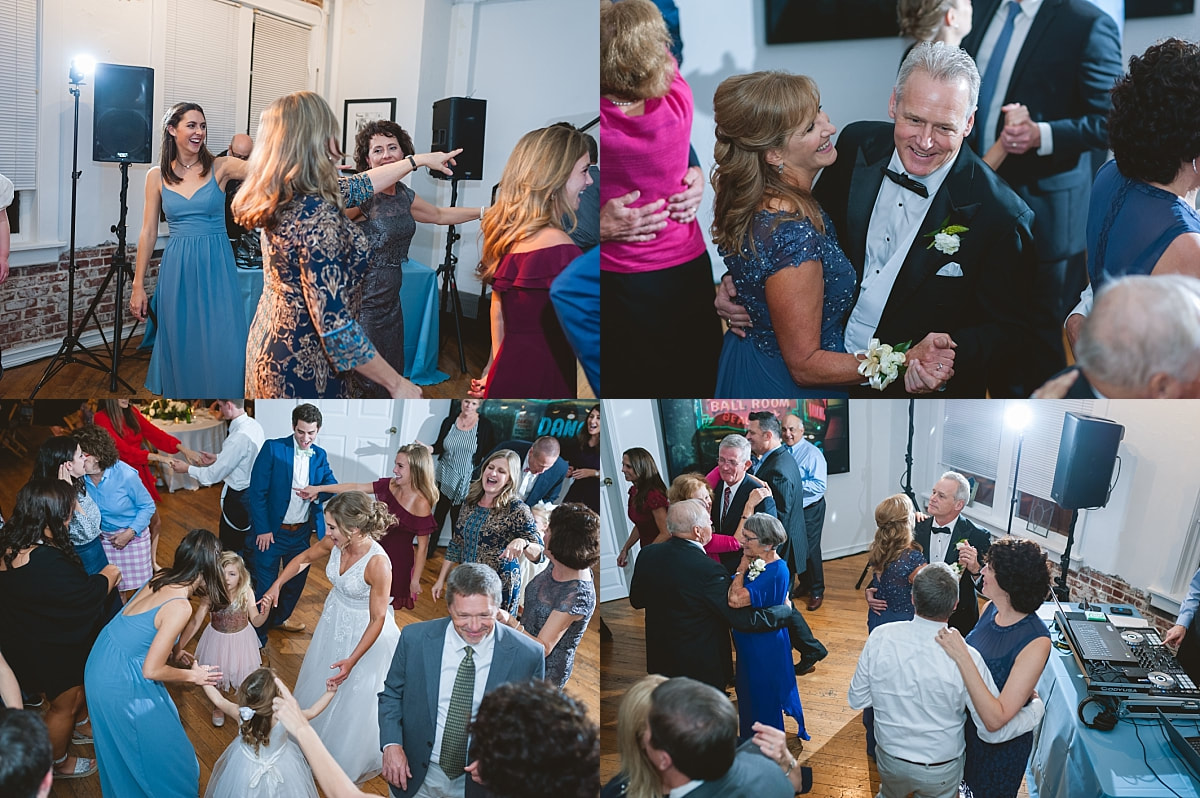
<point x="939" y="366"/>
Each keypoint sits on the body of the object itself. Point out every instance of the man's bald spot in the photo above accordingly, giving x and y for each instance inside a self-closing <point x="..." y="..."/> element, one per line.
<point x="241" y="145"/>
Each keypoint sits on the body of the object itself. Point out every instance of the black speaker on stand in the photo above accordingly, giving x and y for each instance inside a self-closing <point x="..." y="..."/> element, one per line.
<point x="1087" y="454"/>
<point x="121" y="133"/>
<point x="458" y="122"/>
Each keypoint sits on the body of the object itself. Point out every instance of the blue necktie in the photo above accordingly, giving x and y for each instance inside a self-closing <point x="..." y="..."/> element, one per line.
<point x="987" y="86"/>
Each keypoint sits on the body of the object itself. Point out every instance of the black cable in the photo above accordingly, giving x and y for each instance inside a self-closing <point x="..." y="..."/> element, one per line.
<point x="1146" y="759"/>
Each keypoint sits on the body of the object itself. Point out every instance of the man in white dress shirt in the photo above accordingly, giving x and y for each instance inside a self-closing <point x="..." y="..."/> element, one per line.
<point x="233" y="465"/>
<point x="919" y="698"/>
<point x="814" y="472"/>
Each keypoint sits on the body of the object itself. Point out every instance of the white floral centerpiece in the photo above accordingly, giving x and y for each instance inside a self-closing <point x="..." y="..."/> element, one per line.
<point x="881" y="364"/>
<point x="168" y="410"/>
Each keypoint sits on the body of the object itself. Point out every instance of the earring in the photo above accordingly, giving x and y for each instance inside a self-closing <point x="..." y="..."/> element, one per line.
<point x="1194" y="167"/>
<point x="780" y="168"/>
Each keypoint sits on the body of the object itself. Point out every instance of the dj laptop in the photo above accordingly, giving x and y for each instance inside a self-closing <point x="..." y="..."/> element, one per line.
<point x="1093" y="641"/>
<point x="1187" y="747"/>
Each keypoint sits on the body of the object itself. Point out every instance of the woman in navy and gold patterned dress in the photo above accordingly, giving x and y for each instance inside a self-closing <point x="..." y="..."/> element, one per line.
<point x="304" y="337"/>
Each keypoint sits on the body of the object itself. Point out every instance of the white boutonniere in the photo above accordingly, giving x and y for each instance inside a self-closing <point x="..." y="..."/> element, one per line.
<point x="945" y="238"/>
<point x="958" y="566"/>
<point x="756" y="568"/>
<point x="881" y="364"/>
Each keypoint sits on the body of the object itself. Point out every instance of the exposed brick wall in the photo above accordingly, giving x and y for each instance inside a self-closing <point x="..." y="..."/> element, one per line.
<point x="1096" y="586"/>
<point x="33" y="301"/>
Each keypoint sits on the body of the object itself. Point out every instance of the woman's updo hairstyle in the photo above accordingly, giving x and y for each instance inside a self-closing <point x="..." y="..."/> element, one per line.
<point x="356" y="510"/>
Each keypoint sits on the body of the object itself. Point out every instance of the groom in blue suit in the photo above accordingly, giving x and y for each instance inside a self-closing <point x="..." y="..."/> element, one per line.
<point x="281" y="522"/>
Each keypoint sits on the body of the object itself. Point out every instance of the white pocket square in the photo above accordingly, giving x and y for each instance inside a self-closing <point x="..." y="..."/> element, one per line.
<point x="951" y="269"/>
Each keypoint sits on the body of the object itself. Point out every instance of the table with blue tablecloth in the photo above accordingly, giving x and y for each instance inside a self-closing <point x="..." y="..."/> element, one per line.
<point x="1070" y="760"/>
<point x="418" y="297"/>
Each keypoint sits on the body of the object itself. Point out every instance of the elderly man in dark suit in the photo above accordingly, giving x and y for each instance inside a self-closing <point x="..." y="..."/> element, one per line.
<point x="440" y="672"/>
<point x="693" y="737"/>
<point x="684" y="593"/>
<point x="281" y="519"/>
<point x="776" y="467"/>
<point x="542" y="470"/>
<point x="946" y="536"/>
<point x="1058" y="58"/>
<point x="732" y="501"/>
<point x="893" y="189"/>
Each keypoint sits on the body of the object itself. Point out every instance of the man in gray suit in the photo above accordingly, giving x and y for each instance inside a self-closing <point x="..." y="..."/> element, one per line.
<point x="439" y="675"/>
<point x="693" y="737"/>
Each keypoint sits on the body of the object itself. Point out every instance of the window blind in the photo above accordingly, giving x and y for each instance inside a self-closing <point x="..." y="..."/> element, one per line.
<point x="201" y="64"/>
<point x="18" y="92"/>
<point x="279" y="62"/>
<point x="971" y="435"/>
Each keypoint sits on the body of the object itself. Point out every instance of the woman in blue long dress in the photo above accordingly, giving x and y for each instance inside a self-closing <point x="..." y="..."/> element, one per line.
<point x="141" y="747"/>
<point x="199" y="345"/>
<point x="766" y="679"/>
<point x="894" y="559"/>
<point x="304" y="336"/>
<point x="780" y="247"/>
<point x="1141" y="218"/>
<point x="1015" y="644"/>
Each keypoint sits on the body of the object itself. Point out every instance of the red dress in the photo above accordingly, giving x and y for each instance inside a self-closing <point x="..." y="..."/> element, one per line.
<point x="644" y="519"/>
<point x="535" y="360"/>
<point x="131" y="450"/>
<point x="399" y="542"/>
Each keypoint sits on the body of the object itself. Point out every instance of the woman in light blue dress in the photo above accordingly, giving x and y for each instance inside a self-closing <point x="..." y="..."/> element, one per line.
<point x="141" y="747"/>
<point x="200" y="340"/>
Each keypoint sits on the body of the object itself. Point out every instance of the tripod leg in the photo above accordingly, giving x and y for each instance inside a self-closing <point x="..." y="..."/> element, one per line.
<point x="456" y="306"/>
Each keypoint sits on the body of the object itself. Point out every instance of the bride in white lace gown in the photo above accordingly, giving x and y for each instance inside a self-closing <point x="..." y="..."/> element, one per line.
<point x="357" y="635"/>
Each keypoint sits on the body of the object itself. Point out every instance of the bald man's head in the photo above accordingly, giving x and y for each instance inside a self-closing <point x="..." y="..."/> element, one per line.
<point x="240" y="146"/>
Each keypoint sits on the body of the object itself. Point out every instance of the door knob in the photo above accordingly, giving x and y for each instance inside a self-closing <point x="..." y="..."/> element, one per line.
<point x="391" y="431"/>
<point x="607" y="482"/>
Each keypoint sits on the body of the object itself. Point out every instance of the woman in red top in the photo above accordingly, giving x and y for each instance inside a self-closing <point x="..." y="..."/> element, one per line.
<point x="134" y="435"/>
<point x="647" y="501"/>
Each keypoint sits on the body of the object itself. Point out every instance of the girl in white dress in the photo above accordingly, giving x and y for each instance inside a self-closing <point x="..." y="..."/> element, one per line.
<point x="264" y="761"/>
<point x="357" y="633"/>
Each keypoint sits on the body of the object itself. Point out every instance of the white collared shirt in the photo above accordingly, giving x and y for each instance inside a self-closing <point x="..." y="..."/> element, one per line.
<point x="236" y="460"/>
<point x="1021" y="25"/>
<point x="896" y="221"/>
<point x="453" y="651"/>
<point x="297" y="511"/>
<point x="918" y="694"/>
<point x="527" y="479"/>
<point x="684" y="789"/>
<point x="940" y="544"/>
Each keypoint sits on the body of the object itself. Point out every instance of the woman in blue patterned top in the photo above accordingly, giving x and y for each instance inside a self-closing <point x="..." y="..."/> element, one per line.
<point x="780" y="247"/>
<point x="304" y="336"/>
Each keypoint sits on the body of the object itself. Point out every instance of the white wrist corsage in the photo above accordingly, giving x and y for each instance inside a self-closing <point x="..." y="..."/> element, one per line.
<point x="881" y="364"/>
<point x="756" y="568"/>
<point x="945" y="238"/>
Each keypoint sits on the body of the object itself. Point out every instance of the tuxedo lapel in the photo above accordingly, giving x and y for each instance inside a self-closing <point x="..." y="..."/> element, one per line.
<point x="864" y="188"/>
<point x="1037" y="30"/>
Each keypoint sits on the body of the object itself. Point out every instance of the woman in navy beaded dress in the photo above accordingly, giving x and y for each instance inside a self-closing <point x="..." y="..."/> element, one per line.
<point x="1015" y="644"/>
<point x="781" y="249"/>
<point x="304" y="336"/>
<point x="894" y="559"/>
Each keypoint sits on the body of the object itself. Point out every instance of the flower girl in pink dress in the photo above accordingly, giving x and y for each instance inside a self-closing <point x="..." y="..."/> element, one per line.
<point x="228" y="642"/>
<point x="263" y="761"/>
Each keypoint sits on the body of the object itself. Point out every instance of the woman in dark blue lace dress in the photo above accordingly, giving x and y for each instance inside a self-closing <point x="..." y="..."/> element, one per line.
<point x="1015" y="644"/>
<point x="304" y="337"/>
<point x="780" y="247"/>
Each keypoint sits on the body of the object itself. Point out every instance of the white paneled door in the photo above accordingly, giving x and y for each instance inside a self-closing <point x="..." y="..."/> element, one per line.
<point x="360" y="435"/>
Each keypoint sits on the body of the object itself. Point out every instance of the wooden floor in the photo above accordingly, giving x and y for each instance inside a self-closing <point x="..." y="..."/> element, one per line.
<point x="186" y="510"/>
<point x="837" y="750"/>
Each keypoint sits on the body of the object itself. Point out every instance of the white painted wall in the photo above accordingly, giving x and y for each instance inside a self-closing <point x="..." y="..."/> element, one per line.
<point x="727" y="37"/>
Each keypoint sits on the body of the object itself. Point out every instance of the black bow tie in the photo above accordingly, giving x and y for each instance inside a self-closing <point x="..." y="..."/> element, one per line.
<point x="941" y="530"/>
<point x="907" y="182"/>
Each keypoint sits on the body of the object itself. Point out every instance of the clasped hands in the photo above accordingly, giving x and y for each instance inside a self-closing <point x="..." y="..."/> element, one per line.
<point x="619" y="222"/>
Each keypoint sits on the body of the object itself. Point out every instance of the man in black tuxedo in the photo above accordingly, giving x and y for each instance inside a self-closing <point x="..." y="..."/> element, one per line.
<point x="939" y="536"/>
<point x="1059" y="59"/>
<point x="685" y="595"/>
<point x="778" y="469"/>
<point x="892" y="187"/>
<point x="734" y="493"/>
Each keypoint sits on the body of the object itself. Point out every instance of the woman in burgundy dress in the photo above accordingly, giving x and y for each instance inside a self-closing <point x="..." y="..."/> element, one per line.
<point x="647" y="501"/>
<point x="410" y="495"/>
<point x="524" y="249"/>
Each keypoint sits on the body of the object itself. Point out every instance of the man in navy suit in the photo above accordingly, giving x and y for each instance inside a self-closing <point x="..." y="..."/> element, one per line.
<point x="440" y="673"/>
<point x="1059" y="58"/>
<point x="542" y="470"/>
<point x="281" y="521"/>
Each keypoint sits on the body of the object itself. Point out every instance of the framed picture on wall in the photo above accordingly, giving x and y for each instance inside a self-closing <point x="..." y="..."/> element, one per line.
<point x="792" y="21"/>
<point x="693" y="429"/>
<point x="358" y="113"/>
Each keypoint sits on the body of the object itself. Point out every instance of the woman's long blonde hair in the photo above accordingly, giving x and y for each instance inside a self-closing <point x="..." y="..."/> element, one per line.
<point x="893" y="533"/>
<point x="290" y="158"/>
<point x="757" y="113"/>
<point x="631" y="721"/>
<point x="531" y="192"/>
<point x="420" y="471"/>
<point x="242" y="596"/>
<point x="506" y="496"/>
